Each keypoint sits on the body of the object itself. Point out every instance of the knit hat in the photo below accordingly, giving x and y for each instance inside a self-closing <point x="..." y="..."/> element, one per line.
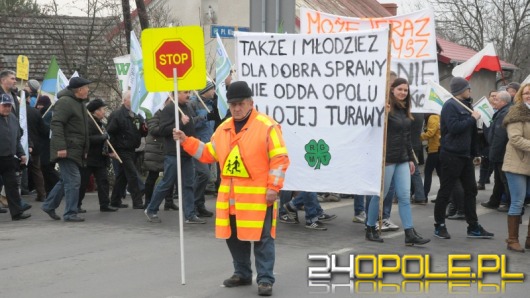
<point x="209" y="85"/>
<point x="44" y="100"/>
<point x="95" y="104"/>
<point x="458" y="85"/>
<point x="514" y="85"/>
<point x="238" y="91"/>
<point x="77" y="82"/>
<point x="34" y="85"/>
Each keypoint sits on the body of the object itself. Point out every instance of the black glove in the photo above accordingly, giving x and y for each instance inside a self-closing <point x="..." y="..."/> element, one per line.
<point x="211" y="116"/>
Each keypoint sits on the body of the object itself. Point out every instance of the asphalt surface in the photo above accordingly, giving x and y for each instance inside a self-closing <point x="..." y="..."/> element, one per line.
<point x="123" y="255"/>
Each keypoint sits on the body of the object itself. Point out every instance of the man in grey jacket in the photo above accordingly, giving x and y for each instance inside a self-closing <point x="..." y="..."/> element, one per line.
<point x="9" y="148"/>
<point x="69" y="147"/>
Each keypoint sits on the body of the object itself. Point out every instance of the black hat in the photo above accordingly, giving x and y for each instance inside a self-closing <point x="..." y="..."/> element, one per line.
<point x="209" y="85"/>
<point x="514" y="85"/>
<point x="77" y="82"/>
<point x="238" y="91"/>
<point x="95" y="104"/>
<point x="44" y="100"/>
<point x="458" y="85"/>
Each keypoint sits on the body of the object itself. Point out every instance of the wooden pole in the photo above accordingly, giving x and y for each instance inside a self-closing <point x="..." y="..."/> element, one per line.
<point x="200" y="99"/>
<point x="108" y="142"/>
<point x="176" y="103"/>
<point x="385" y="126"/>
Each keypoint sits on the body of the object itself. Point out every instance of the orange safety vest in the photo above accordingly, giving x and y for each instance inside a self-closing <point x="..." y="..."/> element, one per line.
<point x="263" y="154"/>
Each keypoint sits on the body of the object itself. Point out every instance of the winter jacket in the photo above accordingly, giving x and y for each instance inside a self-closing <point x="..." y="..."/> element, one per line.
<point x="458" y="130"/>
<point x="498" y="136"/>
<point x="204" y="123"/>
<point x="398" y="143"/>
<point x="69" y="128"/>
<point x="98" y="153"/>
<point x="125" y="129"/>
<point x="11" y="133"/>
<point x="517" y="157"/>
<point x="167" y="123"/>
<point x="37" y="131"/>
<point x="432" y="135"/>
<point x="154" y="146"/>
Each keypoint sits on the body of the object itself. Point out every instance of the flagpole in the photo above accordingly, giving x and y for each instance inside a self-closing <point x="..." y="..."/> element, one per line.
<point x="385" y="125"/>
<point x="108" y="142"/>
<point x="179" y="180"/>
<point x="200" y="99"/>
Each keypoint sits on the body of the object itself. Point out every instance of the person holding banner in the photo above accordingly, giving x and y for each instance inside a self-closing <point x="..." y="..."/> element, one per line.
<point x="69" y="147"/>
<point x="399" y="164"/>
<point x="517" y="164"/>
<point x="459" y="135"/>
<point x="10" y="152"/>
<point x="253" y="160"/>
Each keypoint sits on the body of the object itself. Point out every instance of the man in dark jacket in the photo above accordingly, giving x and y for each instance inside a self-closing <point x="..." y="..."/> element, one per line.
<point x="167" y="123"/>
<point x="69" y="147"/>
<point x="98" y="157"/>
<point x="458" y="148"/>
<point x="9" y="147"/>
<point x="126" y="130"/>
<point x="498" y="138"/>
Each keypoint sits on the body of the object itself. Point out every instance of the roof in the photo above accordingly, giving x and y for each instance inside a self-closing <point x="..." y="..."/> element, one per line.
<point x="68" y="38"/>
<point x="452" y="52"/>
<point x="352" y="8"/>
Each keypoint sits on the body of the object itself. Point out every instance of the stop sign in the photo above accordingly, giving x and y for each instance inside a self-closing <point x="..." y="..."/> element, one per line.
<point x="173" y="54"/>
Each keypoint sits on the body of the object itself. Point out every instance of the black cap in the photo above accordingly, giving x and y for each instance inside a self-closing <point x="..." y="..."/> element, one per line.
<point x="237" y="91"/>
<point x="95" y="104"/>
<point x="77" y="82"/>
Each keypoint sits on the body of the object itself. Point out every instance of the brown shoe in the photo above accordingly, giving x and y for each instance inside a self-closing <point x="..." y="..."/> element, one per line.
<point x="264" y="289"/>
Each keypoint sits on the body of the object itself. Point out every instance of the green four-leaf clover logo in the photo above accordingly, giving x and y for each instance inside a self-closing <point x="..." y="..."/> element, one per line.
<point x="317" y="153"/>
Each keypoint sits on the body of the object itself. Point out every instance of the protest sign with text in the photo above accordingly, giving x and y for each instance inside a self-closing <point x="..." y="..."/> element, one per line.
<point x="413" y="45"/>
<point x="328" y="93"/>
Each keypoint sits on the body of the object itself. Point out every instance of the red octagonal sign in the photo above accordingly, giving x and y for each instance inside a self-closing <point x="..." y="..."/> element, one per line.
<point x="173" y="54"/>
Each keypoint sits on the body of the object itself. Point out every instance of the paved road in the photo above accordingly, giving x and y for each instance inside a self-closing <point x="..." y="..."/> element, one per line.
<point x="122" y="255"/>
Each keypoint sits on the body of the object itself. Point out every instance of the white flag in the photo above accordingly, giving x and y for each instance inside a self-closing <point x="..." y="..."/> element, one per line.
<point x="62" y="82"/>
<point x="485" y="109"/>
<point x="436" y="96"/>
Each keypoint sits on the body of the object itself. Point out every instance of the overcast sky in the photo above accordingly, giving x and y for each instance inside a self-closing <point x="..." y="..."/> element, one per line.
<point x="70" y="7"/>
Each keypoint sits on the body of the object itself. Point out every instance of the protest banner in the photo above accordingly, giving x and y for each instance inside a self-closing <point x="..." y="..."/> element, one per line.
<point x="328" y="93"/>
<point x="413" y="44"/>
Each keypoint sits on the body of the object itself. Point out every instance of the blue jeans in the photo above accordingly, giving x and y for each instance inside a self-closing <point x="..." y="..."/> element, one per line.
<point x="387" y="202"/>
<point x="519" y="186"/>
<point x="400" y="173"/>
<point x="419" y="192"/>
<point x="359" y="203"/>
<point x="285" y="197"/>
<point x="264" y="252"/>
<point x="169" y="179"/>
<point x="202" y="171"/>
<point x="68" y="187"/>
<point x="311" y="206"/>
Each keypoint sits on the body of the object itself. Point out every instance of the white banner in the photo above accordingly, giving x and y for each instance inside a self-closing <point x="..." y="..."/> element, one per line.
<point x="123" y="71"/>
<point x="23" y="120"/>
<point x="413" y="45"/>
<point x="485" y="109"/>
<point x="328" y="94"/>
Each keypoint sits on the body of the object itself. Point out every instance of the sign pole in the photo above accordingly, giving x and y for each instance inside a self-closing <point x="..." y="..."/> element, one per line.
<point x="179" y="179"/>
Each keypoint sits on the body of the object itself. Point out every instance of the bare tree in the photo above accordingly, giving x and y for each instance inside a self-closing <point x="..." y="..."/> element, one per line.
<point x="475" y="23"/>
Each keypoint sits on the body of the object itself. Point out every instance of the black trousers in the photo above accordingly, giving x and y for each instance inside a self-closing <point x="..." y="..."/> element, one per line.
<point x="500" y="186"/>
<point x="50" y="175"/>
<point x="8" y="168"/>
<point x="128" y="176"/>
<point x="432" y="163"/>
<point x="102" y="180"/>
<point x="456" y="168"/>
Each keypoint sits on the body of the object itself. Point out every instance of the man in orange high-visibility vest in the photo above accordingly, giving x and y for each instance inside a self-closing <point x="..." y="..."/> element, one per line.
<point x="253" y="159"/>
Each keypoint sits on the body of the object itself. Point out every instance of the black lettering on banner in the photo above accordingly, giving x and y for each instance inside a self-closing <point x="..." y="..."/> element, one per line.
<point x="351" y="92"/>
<point x="355" y="115"/>
<point x="298" y="91"/>
<point x="252" y="70"/>
<point x="354" y="68"/>
<point x="263" y="47"/>
<point x="339" y="45"/>
<point x="258" y="89"/>
<point x="295" y="70"/>
<point x="293" y="115"/>
<point x="416" y="73"/>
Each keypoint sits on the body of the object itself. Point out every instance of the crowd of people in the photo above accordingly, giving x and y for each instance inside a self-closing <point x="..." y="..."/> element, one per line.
<point x="245" y="156"/>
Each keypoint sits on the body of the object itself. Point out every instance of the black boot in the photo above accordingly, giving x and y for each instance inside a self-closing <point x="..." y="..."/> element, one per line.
<point x="412" y="237"/>
<point x="372" y="234"/>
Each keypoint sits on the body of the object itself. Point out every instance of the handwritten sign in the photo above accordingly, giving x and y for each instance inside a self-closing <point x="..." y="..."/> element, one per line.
<point x="413" y="44"/>
<point x="327" y="92"/>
